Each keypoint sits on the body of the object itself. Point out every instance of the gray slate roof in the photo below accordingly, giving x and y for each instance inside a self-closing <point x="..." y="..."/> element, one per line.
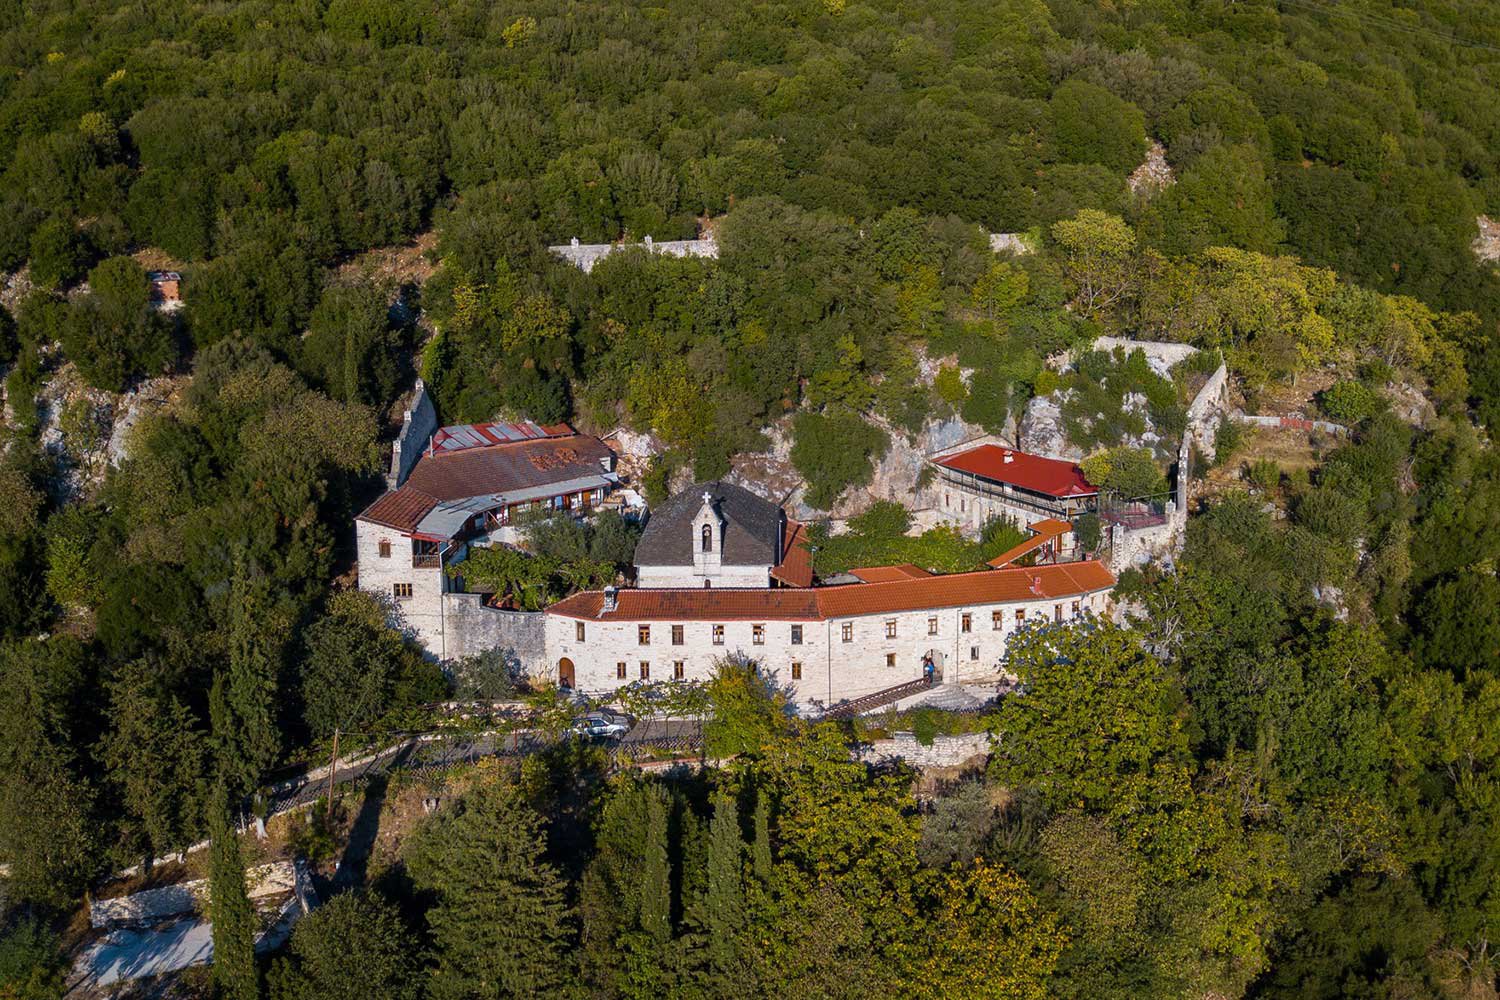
<point x="752" y="534"/>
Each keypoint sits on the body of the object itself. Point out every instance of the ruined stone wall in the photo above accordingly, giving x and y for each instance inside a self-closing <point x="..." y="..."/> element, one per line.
<point x="946" y="751"/>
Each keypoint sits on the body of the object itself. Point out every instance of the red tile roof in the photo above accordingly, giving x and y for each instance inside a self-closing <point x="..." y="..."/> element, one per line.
<point x="986" y="586"/>
<point x="1043" y="532"/>
<point x="1051" y="476"/>
<point x="996" y="586"/>
<point x="717" y="604"/>
<point x="401" y="509"/>
<point x="886" y="574"/>
<point x="795" y="568"/>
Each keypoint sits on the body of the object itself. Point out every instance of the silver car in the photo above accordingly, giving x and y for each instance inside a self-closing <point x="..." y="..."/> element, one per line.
<point x="603" y="724"/>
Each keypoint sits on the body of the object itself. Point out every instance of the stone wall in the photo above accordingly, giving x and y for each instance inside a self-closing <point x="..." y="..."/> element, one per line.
<point x="1161" y="355"/>
<point x="474" y="628"/>
<point x="418" y="424"/>
<point x="946" y="751"/>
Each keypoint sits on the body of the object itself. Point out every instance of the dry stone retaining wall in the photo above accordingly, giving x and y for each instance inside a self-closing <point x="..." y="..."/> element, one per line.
<point x="946" y="751"/>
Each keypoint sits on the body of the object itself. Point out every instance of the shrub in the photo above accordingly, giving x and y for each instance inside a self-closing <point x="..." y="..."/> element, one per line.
<point x="1265" y="473"/>
<point x="1349" y="402"/>
<point x="1227" y="438"/>
<point x="834" y="452"/>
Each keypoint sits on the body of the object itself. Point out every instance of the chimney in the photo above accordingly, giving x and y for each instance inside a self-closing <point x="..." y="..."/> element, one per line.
<point x="1008" y="458"/>
<point x="574" y="242"/>
<point x="610" y="599"/>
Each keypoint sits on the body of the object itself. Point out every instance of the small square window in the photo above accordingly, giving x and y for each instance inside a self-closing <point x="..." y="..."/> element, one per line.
<point x="966" y="623"/>
<point x="677" y="670"/>
<point x="796" y="671"/>
<point x="645" y="671"/>
<point x="848" y="631"/>
<point x="385" y="548"/>
<point x="718" y="635"/>
<point x="677" y="635"/>
<point x="578" y="631"/>
<point x="997" y="620"/>
<point x="401" y="591"/>
<point x="932" y="626"/>
<point x="758" y="634"/>
<point x="643" y="635"/>
<point x="797" y="635"/>
<point x="890" y="628"/>
<point x="890" y="659"/>
<point x="620" y="670"/>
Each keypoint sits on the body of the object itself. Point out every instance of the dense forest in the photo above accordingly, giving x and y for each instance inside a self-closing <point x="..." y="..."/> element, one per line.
<point x="1276" y="778"/>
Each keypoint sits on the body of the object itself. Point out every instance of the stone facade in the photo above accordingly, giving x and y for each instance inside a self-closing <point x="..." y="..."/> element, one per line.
<point x="414" y="594"/>
<point x="820" y="661"/>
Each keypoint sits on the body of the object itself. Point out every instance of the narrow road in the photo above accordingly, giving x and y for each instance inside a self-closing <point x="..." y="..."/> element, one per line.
<point x="421" y="753"/>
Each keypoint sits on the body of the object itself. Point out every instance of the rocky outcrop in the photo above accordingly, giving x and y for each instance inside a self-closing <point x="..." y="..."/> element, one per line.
<point x="1042" y="430"/>
<point x="772" y="475"/>
<point x="1154" y="173"/>
<point x="1487" y="243"/>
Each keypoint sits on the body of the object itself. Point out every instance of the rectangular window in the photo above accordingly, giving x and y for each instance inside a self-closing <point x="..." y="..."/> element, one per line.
<point x="643" y="635"/>
<point x="1057" y="612"/>
<point x="966" y="623"/>
<point x="620" y="670"/>
<point x="932" y="626"/>
<point x="890" y="659"/>
<point x="1075" y="609"/>
<point x="385" y="548"/>
<point x="890" y="628"/>
<point x="645" y="671"/>
<point x="677" y="670"/>
<point x="796" y="635"/>
<point x="1020" y="615"/>
<point x="997" y="620"/>
<point x="401" y="591"/>
<point x="579" y="632"/>
<point x="796" y="671"/>
<point x="758" y="634"/>
<point x="848" y="631"/>
<point x="677" y="635"/>
<point x="973" y="652"/>
<point x="718" y="635"/>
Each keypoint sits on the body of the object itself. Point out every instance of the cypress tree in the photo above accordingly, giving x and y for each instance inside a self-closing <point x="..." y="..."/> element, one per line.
<point x="234" y="972"/>
<point x="627" y="894"/>
<point x="242" y="702"/>
<point x="500" y="924"/>
<point x="717" y="913"/>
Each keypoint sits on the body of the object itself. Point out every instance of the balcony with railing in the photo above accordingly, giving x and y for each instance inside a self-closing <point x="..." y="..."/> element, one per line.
<point x="1036" y="503"/>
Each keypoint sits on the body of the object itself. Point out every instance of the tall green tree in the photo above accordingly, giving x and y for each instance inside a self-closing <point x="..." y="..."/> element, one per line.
<point x="499" y="921"/>
<point x="352" y="947"/>
<point x="242" y="702"/>
<point x="234" y="973"/>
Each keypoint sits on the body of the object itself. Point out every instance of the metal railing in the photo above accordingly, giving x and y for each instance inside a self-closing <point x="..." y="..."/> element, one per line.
<point x="877" y="699"/>
<point x="974" y="486"/>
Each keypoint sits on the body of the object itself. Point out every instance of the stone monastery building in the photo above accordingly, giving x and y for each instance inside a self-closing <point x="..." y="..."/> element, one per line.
<point x="720" y="572"/>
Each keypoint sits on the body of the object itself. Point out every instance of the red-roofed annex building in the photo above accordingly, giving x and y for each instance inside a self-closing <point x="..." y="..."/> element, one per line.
<point x="974" y="485"/>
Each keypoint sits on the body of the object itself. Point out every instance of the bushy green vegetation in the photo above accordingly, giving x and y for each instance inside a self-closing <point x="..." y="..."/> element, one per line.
<point x="878" y="537"/>
<point x="1285" y="802"/>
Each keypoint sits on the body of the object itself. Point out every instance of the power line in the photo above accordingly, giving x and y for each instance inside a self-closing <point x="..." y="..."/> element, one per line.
<point x="1383" y="21"/>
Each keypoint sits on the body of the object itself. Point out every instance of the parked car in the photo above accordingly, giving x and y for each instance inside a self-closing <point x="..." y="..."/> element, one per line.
<point x="604" y="724"/>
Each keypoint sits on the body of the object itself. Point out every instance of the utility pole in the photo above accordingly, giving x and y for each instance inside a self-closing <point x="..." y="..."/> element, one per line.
<point x="333" y="769"/>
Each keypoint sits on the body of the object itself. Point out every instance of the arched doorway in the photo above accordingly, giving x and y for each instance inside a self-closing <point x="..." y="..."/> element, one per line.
<point x="936" y="656"/>
<point x="565" y="673"/>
